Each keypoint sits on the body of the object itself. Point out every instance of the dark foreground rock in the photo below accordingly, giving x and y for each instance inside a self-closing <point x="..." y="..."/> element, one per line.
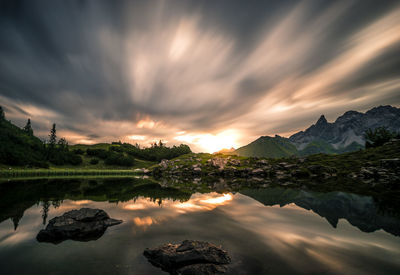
<point x="85" y="224"/>
<point x="189" y="257"/>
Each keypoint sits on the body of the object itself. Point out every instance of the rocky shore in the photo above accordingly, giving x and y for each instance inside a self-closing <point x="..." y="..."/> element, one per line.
<point x="371" y="167"/>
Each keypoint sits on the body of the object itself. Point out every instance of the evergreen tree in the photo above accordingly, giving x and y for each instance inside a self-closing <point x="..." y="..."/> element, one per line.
<point x="63" y="144"/>
<point x="377" y="137"/>
<point x="28" y="128"/>
<point x="53" y="136"/>
<point x="2" y="116"/>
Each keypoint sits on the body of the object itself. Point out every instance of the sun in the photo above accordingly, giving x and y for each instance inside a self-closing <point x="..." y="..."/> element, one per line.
<point x="211" y="143"/>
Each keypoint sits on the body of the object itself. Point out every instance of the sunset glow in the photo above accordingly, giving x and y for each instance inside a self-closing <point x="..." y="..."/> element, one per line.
<point x="211" y="143"/>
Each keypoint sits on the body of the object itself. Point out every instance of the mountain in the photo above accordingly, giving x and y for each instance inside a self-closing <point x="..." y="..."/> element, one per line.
<point x="348" y="128"/>
<point x="274" y="147"/>
<point x="343" y="135"/>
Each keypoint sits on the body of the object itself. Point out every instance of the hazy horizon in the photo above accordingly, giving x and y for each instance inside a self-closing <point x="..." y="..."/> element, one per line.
<point x="210" y="74"/>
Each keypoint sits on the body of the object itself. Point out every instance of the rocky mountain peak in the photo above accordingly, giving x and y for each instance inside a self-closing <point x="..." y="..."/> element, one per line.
<point x="349" y="115"/>
<point x="322" y="120"/>
<point x="380" y="110"/>
<point x="347" y="132"/>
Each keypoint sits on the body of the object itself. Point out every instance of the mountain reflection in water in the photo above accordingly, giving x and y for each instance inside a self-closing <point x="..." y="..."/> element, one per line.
<point x="266" y="231"/>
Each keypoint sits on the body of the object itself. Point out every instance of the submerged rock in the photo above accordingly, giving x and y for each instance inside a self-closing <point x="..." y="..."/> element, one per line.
<point x="189" y="257"/>
<point x="85" y="224"/>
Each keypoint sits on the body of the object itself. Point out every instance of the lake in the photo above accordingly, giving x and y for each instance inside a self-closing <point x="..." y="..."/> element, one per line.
<point x="265" y="231"/>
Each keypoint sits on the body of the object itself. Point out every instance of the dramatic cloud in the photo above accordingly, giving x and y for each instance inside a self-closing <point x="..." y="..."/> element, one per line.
<point x="209" y="73"/>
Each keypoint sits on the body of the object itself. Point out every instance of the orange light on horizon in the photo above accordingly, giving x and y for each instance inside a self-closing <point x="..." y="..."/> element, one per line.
<point x="211" y="143"/>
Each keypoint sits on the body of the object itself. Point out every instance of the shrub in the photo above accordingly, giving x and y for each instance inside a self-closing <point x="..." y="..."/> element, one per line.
<point x="94" y="161"/>
<point x="40" y="164"/>
<point x="74" y="159"/>
<point x="116" y="148"/>
<point x="119" y="159"/>
<point x="61" y="157"/>
<point x="100" y="153"/>
<point x="78" y="151"/>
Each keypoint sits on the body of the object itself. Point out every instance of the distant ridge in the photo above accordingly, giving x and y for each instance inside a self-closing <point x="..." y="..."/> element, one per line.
<point x="274" y="147"/>
<point x="343" y="135"/>
<point x="225" y="151"/>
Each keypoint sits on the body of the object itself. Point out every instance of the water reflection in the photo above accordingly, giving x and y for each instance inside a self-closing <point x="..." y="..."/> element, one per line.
<point x="17" y="196"/>
<point x="360" y="211"/>
<point x="266" y="231"/>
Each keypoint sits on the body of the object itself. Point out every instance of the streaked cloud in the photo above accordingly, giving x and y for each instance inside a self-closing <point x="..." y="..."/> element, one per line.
<point x="207" y="73"/>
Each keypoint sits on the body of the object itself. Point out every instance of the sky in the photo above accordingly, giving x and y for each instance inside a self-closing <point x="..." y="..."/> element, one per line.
<point x="210" y="74"/>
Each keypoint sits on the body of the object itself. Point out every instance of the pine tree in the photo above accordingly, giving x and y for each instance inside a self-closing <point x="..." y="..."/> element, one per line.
<point x="2" y="116"/>
<point x="53" y="136"/>
<point x="28" y="128"/>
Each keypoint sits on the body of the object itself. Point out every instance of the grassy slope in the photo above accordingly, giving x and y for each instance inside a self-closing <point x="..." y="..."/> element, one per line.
<point x="139" y="163"/>
<point x="317" y="146"/>
<point x="273" y="147"/>
<point x="17" y="147"/>
<point x="353" y="161"/>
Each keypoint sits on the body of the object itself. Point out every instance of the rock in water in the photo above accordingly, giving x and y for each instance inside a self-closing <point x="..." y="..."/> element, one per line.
<point x="189" y="257"/>
<point x="85" y="224"/>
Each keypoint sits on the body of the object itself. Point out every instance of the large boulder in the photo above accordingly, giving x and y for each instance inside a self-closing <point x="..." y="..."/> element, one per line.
<point x="219" y="163"/>
<point x="85" y="224"/>
<point x="391" y="163"/>
<point x="189" y="257"/>
<point x="164" y="164"/>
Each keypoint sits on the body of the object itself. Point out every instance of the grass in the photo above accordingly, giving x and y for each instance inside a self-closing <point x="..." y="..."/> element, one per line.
<point x="83" y="147"/>
<point x="102" y="166"/>
<point x="86" y="168"/>
<point x="63" y="172"/>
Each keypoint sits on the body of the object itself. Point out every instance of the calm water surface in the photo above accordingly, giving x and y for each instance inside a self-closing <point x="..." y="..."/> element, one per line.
<point x="265" y="231"/>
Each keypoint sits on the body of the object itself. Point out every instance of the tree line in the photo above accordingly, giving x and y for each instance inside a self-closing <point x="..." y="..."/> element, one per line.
<point x="20" y="147"/>
<point x="124" y="154"/>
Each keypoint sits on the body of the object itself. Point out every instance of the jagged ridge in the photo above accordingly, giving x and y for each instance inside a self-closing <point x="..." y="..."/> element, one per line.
<point x="343" y="135"/>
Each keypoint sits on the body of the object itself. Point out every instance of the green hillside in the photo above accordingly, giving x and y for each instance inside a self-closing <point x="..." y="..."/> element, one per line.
<point x="316" y="147"/>
<point x="19" y="148"/>
<point x="272" y="147"/>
